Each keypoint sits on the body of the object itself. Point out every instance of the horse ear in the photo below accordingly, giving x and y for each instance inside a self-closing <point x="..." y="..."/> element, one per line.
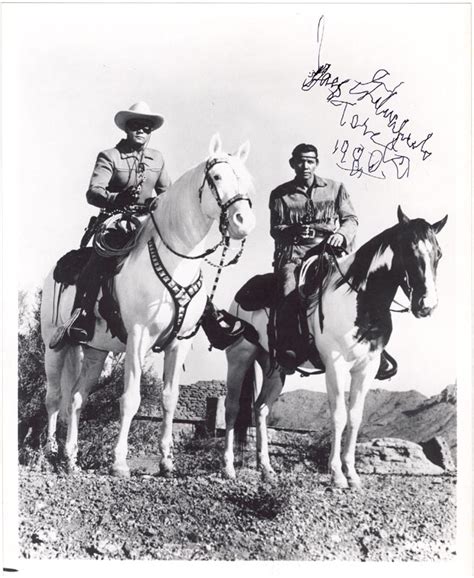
<point x="243" y="151"/>
<point x="402" y="218"/>
<point x="439" y="225"/>
<point x="215" y="146"/>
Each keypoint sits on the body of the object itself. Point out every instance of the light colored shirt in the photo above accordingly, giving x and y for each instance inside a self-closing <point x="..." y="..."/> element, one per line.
<point x="119" y="168"/>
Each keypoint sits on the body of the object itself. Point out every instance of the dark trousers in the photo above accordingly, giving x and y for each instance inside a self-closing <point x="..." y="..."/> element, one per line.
<point x="287" y="311"/>
<point x="88" y="287"/>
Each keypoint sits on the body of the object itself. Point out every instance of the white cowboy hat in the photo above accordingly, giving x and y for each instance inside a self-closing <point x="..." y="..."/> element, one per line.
<point x="140" y="111"/>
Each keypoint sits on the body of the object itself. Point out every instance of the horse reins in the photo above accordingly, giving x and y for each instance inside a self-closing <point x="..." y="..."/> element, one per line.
<point x="223" y="228"/>
<point x="224" y="217"/>
<point x="346" y="280"/>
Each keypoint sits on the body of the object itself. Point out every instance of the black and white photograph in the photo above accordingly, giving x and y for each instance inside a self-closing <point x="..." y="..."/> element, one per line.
<point x="236" y="287"/>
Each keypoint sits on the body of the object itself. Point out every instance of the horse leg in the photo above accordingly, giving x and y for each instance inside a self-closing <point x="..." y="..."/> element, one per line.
<point x="271" y="388"/>
<point x="360" y="385"/>
<point x="91" y="368"/>
<point x="137" y="347"/>
<point x="54" y="362"/>
<point x="240" y="358"/>
<point x="174" y="358"/>
<point x="336" y="377"/>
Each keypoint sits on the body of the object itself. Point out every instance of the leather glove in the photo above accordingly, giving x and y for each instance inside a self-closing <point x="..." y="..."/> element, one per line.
<point x="126" y="197"/>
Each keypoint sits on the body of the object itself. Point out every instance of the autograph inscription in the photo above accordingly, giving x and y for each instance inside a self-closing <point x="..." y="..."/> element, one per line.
<point x="367" y="109"/>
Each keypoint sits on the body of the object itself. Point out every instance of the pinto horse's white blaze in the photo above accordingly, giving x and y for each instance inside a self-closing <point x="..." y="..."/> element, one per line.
<point x="356" y="326"/>
<point x="430" y="299"/>
<point x="216" y="189"/>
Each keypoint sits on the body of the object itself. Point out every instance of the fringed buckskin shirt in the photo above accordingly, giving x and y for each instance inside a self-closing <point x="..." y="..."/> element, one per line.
<point x="118" y="169"/>
<point x="325" y="206"/>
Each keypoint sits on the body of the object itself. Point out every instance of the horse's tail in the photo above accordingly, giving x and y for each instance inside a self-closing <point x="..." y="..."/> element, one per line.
<point x="62" y="367"/>
<point x="244" y="417"/>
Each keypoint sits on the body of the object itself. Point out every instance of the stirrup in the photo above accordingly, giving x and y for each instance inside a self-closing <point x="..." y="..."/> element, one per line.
<point x="237" y="329"/>
<point x="58" y="340"/>
<point x="388" y="366"/>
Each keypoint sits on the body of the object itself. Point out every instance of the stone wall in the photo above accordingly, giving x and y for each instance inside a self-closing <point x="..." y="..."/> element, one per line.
<point x="191" y="403"/>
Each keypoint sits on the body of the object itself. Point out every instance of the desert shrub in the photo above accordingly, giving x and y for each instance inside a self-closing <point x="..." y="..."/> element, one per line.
<point x="31" y="376"/>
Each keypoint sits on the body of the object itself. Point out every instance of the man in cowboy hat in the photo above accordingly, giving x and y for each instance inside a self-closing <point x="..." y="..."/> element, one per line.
<point x="126" y="177"/>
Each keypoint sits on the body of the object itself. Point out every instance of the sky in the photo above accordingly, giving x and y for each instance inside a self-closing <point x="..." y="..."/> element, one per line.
<point x="239" y="70"/>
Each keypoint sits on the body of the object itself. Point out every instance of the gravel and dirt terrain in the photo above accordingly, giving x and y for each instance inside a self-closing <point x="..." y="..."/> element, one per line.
<point x="197" y="514"/>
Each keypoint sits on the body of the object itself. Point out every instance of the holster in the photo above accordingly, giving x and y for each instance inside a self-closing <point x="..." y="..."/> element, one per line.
<point x="90" y="231"/>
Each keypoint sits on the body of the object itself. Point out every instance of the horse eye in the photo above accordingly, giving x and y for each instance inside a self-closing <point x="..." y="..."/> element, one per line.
<point x="217" y="177"/>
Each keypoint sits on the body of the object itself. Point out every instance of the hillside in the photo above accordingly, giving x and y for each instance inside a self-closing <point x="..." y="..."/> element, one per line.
<point x="407" y="415"/>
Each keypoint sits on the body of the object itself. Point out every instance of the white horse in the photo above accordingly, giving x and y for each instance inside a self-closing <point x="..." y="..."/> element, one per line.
<point x="359" y="290"/>
<point x="215" y="190"/>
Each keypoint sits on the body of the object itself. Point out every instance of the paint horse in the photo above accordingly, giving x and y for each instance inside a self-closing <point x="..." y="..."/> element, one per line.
<point x="358" y="292"/>
<point x="172" y="239"/>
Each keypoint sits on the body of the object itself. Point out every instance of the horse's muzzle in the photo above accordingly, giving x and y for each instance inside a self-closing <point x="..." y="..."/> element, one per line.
<point x="422" y="307"/>
<point x="241" y="222"/>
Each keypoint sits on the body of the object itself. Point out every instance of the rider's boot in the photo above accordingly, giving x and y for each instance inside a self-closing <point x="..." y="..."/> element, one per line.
<point x="79" y="328"/>
<point x="288" y="344"/>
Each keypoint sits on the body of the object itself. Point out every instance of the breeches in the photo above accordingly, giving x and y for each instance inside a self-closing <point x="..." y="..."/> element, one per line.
<point x="286" y="279"/>
<point x="90" y="280"/>
<point x="287" y="306"/>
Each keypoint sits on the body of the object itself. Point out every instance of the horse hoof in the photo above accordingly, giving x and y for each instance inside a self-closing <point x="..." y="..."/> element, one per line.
<point x="120" y="471"/>
<point x="340" y="483"/>
<point x="72" y="468"/>
<point x="268" y="474"/>
<point x="355" y="483"/>
<point x="166" y="469"/>
<point x="229" y="473"/>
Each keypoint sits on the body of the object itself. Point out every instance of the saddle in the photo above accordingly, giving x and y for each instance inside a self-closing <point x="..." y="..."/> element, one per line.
<point x="67" y="272"/>
<point x="69" y="267"/>
<point x="259" y="292"/>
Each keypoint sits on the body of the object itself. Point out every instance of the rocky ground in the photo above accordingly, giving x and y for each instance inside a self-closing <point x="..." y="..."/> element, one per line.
<point x="199" y="515"/>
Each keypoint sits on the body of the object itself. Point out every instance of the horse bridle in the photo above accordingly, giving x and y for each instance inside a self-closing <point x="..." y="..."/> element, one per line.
<point x="404" y="284"/>
<point x="224" y="207"/>
<point x="224" y="216"/>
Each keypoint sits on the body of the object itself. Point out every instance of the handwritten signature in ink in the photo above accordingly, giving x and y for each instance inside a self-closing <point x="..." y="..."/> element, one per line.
<point x="367" y="110"/>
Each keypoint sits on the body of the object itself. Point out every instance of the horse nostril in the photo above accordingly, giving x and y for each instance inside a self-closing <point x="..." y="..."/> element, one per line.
<point x="238" y="218"/>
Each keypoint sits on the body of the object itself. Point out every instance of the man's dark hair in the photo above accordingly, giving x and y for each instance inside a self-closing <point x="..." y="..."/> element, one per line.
<point x="304" y="148"/>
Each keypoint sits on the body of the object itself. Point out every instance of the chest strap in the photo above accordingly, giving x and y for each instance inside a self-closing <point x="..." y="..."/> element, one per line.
<point x="182" y="296"/>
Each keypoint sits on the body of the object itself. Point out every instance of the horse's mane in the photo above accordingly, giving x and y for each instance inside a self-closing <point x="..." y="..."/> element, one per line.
<point x="188" y="179"/>
<point x="192" y="180"/>
<point x="356" y="274"/>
